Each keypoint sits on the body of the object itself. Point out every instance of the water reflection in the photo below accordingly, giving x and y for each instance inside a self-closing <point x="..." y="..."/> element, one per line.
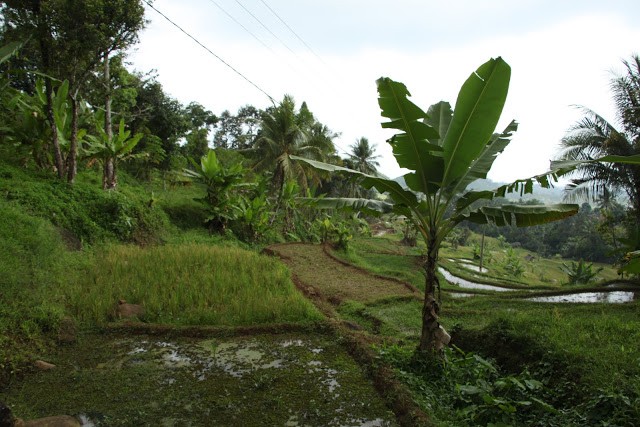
<point x="615" y="297"/>
<point x="463" y="283"/>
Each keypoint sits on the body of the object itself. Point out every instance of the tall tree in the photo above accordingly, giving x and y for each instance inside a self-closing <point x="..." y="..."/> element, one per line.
<point x="238" y="131"/>
<point x="363" y="157"/>
<point x="201" y="122"/>
<point x="286" y="132"/>
<point x="73" y="38"/>
<point x="163" y="119"/>
<point x="594" y="137"/>
<point x="447" y="151"/>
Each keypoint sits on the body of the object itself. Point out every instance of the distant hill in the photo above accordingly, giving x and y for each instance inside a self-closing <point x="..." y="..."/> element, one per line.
<point x="545" y="195"/>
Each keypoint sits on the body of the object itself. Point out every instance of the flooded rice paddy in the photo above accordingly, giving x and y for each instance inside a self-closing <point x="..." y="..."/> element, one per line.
<point x="611" y="297"/>
<point x="251" y="381"/>
<point x="467" y="284"/>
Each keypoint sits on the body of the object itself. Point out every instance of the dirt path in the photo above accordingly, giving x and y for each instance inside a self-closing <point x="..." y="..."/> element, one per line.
<point x="336" y="281"/>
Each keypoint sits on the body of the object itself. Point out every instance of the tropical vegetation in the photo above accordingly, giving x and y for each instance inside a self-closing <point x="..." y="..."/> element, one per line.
<point x="114" y="194"/>
<point x="447" y="150"/>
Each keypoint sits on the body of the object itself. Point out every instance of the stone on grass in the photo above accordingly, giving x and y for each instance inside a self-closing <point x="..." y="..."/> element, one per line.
<point x="127" y="311"/>
<point x="57" y="421"/>
<point x="43" y="366"/>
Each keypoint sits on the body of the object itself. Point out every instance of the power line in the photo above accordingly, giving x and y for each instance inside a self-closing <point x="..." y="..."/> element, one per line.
<point x="291" y="29"/>
<point x="240" y="24"/>
<point x="265" y="27"/>
<point x="252" y="34"/>
<point x="210" y="51"/>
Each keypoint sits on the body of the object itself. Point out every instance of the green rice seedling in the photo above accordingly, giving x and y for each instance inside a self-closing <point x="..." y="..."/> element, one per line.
<point x="190" y="284"/>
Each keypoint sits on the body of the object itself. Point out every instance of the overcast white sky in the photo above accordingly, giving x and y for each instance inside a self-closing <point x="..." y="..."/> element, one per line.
<point x="562" y="53"/>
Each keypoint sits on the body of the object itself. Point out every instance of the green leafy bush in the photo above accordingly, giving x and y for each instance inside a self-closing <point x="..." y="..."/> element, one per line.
<point x="469" y="386"/>
<point x="580" y="273"/>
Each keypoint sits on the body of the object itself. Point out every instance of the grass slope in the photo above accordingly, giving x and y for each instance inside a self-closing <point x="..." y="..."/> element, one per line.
<point x="586" y="355"/>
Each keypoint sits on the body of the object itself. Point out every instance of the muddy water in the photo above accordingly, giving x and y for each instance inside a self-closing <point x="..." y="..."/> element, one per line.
<point x="264" y="380"/>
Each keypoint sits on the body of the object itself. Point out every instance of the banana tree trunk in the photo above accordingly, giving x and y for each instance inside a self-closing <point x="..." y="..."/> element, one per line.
<point x="433" y="337"/>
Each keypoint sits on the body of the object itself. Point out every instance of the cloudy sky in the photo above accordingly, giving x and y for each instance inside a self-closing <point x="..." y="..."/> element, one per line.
<point x="562" y="53"/>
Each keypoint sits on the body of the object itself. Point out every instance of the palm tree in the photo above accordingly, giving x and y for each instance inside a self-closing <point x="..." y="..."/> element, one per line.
<point x="284" y="133"/>
<point x="594" y="137"/>
<point x="362" y="159"/>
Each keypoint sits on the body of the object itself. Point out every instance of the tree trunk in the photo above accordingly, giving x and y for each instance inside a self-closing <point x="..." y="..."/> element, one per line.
<point x="44" y="40"/>
<point x="482" y="251"/>
<point x="72" y="158"/>
<point x="57" y="153"/>
<point x="433" y="337"/>
<point x="109" y="179"/>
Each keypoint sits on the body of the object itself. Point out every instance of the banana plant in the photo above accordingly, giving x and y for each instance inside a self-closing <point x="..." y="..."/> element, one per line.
<point x="447" y="150"/>
<point x="110" y="151"/>
<point x="221" y="183"/>
<point x="31" y="130"/>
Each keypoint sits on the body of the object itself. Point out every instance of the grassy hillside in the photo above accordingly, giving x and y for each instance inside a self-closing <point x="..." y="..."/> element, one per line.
<point x="67" y="252"/>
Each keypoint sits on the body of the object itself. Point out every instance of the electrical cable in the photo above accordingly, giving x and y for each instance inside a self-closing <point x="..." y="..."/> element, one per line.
<point x="243" y="27"/>
<point x="266" y="28"/>
<point x="292" y="31"/>
<point x="255" y="36"/>
<point x="210" y="51"/>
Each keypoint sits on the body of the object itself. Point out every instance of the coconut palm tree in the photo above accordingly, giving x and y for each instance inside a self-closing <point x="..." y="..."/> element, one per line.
<point x="594" y="137"/>
<point x="363" y="157"/>
<point x="285" y="132"/>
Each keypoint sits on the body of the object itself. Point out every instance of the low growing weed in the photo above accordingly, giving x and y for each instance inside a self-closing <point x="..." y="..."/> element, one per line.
<point x="467" y="389"/>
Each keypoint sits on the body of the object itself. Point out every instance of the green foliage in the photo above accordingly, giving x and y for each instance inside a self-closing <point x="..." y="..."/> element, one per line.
<point x="33" y="265"/>
<point x="253" y="223"/>
<point x="29" y="130"/>
<point x="512" y="263"/>
<point x="221" y="183"/>
<point x="631" y="263"/>
<point x="189" y="284"/>
<point x="339" y="230"/>
<point x="580" y="273"/>
<point x="238" y="131"/>
<point x="446" y="151"/>
<point x="459" y="236"/>
<point x="286" y="133"/>
<point x="469" y="386"/>
<point x="110" y="150"/>
<point x="605" y="159"/>
<point x="89" y="214"/>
